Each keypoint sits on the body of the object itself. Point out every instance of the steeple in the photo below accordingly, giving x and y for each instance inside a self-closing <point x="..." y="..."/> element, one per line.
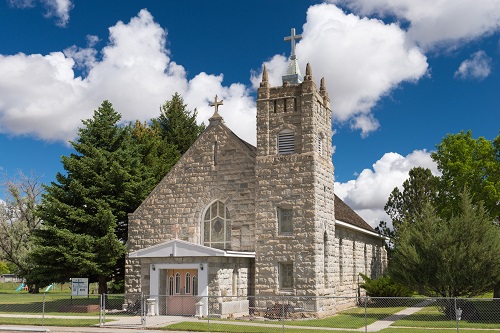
<point x="292" y="74"/>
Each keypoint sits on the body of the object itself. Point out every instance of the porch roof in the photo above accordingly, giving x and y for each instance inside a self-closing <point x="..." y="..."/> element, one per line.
<point x="180" y="248"/>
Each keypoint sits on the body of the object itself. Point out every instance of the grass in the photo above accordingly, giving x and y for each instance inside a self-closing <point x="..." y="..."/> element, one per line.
<point x="53" y="303"/>
<point x="218" y="327"/>
<point x="429" y="319"/>
<point x="430" y="316"/>
<point x="352" y="318"/>
<point x="50" y="322"/>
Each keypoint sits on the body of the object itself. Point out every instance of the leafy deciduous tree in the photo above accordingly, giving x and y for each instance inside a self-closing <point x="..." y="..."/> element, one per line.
<point x="18" y="221"/>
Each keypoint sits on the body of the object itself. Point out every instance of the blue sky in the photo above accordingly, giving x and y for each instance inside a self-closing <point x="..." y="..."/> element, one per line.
<point x="401" y="74"/>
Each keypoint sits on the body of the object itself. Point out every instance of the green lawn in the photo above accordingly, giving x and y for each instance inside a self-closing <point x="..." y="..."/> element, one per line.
<point x="352" y="318"/>
<point x="489" y="317"/>
<point x="218" y="327"/>
<point x="429" y="319"/>
<point x="50" y="322"/>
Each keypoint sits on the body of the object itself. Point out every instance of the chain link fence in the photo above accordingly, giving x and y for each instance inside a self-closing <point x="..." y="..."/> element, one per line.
<point x="57" y="309"/>
<point x="365" y="314"/>
<point x="268" y="314"/>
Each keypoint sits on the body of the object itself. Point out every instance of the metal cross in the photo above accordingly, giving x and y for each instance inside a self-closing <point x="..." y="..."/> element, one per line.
<point x="216" y="104"/>
<point x="293" y="37"/>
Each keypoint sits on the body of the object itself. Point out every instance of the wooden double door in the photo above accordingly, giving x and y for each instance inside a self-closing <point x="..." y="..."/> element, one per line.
<point x="182" y="289"/>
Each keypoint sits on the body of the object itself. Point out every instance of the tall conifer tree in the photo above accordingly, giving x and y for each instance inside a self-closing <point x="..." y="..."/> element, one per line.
<point x="85" y="212"/>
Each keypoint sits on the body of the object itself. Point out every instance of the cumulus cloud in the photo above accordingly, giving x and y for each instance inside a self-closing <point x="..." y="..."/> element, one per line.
<point x="478" y="67"/>
<point x="435" y="23"/>
<point x="42" y="96"/>
<point x="59" y="9"/>
<point x="54" y="8"/>
<point x="368" y="193"/>
<point x="362" y="60"/>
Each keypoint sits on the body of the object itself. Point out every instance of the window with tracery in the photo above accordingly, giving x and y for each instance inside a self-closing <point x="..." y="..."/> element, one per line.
<point x="217" y="227"/>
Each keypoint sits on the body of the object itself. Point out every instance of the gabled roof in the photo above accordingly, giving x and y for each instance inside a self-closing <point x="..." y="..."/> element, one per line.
<point x="180" y="248"/>
<point x="345" y="213"/>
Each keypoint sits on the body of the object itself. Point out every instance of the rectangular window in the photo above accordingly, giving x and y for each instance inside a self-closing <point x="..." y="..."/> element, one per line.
<point x="285" y="221"/>
<point x="286" y="275"/>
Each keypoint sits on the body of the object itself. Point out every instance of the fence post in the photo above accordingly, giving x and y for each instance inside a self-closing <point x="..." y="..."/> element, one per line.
<point x="366" y="322"/>
<point x="456" y="312"/>
<point x="208" y="313"/>
<point x="43" y="309"/>
<point x="282" y="314"/>
<point x="100" y="309"/>
<point x="143" y="310"/>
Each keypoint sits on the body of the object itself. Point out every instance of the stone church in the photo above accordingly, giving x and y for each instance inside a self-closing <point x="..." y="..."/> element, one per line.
<point x="235" y="221"/>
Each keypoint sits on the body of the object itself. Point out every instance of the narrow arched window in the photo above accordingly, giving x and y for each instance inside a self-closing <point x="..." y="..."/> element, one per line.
<point x="171" y="285"/>
<point x="177" y="283"/>
<point x="286" y="142"/>
<point x="195" y="285"/>
<point x="217" y="226"/>
<point x="188" y="283"/>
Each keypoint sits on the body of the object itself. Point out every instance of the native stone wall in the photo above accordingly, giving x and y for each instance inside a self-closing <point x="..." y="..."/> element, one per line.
<point x="218" y="166"/>
<point x="356" y="253"/>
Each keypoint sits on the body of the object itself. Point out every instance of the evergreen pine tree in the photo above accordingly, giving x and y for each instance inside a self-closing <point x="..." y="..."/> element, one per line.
<point x="85" y="211"/>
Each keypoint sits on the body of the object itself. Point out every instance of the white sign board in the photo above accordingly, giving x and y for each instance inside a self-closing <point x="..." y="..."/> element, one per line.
<point x="79" y="287"/>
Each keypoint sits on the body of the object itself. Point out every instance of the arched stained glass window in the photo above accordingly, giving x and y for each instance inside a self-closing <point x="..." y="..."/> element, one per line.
<point x="217" y="226"/>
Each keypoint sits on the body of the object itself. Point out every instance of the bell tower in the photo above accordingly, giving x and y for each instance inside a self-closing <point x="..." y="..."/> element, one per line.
<point x="294" y="200"/>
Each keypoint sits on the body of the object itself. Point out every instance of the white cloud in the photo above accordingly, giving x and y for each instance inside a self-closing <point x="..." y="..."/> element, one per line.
<point x="434" y="23"/>
<point x="361" y="59"/>
<point x="59" y="9"/>
<point x="22" y="3"/>
<point x="54" y="8"/>
<point x="368" y="194"/>
<point x="478" y="67"/>
<point x="41" y="96"/>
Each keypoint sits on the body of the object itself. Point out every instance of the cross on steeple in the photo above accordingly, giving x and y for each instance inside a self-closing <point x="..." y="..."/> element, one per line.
<point x="216" y="104"/>
<point x="293" y="37"/>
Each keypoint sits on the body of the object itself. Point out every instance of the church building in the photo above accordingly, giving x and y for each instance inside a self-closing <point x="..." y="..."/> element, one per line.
<point x="234" y="221"/>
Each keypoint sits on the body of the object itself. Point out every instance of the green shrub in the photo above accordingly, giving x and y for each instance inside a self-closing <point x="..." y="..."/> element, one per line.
<point x="384" y="287"/>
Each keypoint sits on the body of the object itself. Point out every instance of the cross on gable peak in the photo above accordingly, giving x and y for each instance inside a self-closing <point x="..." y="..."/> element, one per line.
<point x="216" y="103"/>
